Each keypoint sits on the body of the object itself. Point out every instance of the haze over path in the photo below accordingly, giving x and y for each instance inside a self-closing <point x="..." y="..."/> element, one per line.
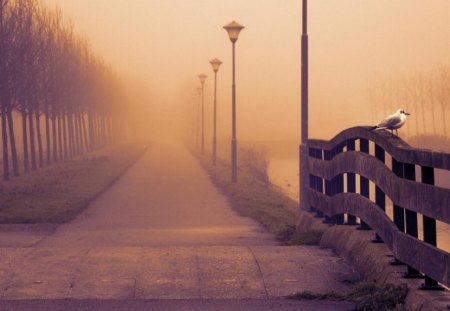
<point x="163" y="237"/>
<point x="164" y="199"/>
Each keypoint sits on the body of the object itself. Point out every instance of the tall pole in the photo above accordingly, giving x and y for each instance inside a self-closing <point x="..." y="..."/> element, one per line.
<point x="214" y="151"/>
<point x="215" y="63"/>
<point x="194" y="121"/>
<point x="233" y="30"/>
<point x="202" y="78"/>
<point x="203" y="118"/>
<point x="303" y="154"/>
<point x="233" y="137"/>
<point x="197" y="132"/>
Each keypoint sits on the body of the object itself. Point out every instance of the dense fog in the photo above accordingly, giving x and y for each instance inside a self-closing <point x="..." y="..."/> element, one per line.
<point x="362" y="56"/>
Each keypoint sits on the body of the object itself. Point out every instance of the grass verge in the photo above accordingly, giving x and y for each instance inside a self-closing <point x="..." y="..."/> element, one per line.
<point x="366" y="296"/>
<point x="57" y="193"/>
<point x="261" y="201"/>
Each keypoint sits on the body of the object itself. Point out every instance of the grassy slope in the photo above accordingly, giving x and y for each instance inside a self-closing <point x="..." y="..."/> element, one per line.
<point x="264" y="203"/>
<point x="57" y="193"/>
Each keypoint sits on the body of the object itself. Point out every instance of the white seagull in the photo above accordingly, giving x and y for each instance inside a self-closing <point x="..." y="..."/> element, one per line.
<point x="392" y="122"/>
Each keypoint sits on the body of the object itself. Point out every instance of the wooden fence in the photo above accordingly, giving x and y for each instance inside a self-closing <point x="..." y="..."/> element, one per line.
<point x="408" y="181"/>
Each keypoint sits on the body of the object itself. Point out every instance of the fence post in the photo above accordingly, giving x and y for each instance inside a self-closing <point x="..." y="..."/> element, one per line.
<point x="319" y="180"/>
<point x="328" y="184"/>
<point x="409" y="171"/>
<point x="315" y="182"/>
<point x="398" y="211"/>
<point x="338" y="186"/>
<point x="351" y="182"/>
<point x="429" y="228"/>
<point x="312" y="178"/>
<point x="380" y="197"/>
<point x="364" y="182"/>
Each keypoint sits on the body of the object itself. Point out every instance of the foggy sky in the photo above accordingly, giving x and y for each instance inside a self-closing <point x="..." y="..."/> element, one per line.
<point x="166" y="44"/>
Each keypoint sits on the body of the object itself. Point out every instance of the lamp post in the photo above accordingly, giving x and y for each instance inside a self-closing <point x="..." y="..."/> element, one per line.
<point x="233" y="30"/>
<point x="202" y="78"/>
<point x="215" y="63"/>
<point x="193" y="125"/>
<point x="197" y="131"/>
<point x="303" y="152"/>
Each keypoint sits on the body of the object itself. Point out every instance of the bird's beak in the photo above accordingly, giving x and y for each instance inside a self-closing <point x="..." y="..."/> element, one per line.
<point x="408" y="114"/>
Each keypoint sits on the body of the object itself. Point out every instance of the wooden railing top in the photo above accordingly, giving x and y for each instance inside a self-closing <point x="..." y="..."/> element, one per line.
<point x="395" y="146"/>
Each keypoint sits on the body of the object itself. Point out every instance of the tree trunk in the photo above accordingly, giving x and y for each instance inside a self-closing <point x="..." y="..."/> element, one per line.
<point x="74" y="133"/>
<point x="91" y="131"/>
<point x="83" y="124"/>
<point x="64" y="135"/>
<point x="60" y="138"/>
<point x="444" y="123"/>
<point x="111" y="133"/>
<point x="48" y="149"/>
<point x="78" y="134"/>
<point x="32" y="141"/>
<point x="70" y="134"/>
<point x="55" y="140"/>
<point x="103" y="126"/>
<point x="12" y="141"/>
<point x="26" y="161"/>
<point x="433" y="118"/>
<point x="95" y="130"/>
<point x="39" y="140"/>
<point x="6" y="175"/>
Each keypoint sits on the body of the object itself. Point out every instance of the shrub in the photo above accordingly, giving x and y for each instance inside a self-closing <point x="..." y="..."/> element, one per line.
<point x="256" y="162"/>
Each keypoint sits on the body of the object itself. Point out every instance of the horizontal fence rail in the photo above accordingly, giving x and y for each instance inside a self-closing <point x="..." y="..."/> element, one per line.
<point x="333" y="166"/>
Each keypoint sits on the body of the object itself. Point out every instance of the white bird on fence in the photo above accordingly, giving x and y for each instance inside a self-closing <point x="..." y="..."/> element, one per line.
<point x="392" y="122"/>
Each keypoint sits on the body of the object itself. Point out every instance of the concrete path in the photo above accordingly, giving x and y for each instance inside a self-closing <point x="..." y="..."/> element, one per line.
<point x="165" y="199"/>
<point x="163" y="233"/>
<point x="174" y="305"/>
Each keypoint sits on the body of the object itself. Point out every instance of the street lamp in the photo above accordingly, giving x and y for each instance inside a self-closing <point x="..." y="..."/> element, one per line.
<point x="303" y="154"/>
<point x="233" y="30"/>
<point x="215" y="63"/>
<point x="194" y="115"/>
<point x="202" y="78"/>
<point x="197" y="131"/>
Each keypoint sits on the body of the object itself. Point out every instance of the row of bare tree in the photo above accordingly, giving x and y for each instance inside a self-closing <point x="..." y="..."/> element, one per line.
<point x="67" y="98"/>
<point x="425" y="94"/>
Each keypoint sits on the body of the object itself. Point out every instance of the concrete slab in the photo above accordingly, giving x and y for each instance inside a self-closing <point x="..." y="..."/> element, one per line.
<point x="179" y="305"/>
<point x="168" y="273"/>
<point x="288" y="270"/>
<point x="213" y="272"/>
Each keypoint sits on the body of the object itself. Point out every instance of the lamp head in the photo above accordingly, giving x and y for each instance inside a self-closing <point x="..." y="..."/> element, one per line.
<point x="202" y="77"/>
<point x="215" y="63"/>
<point x="233" y="29"/>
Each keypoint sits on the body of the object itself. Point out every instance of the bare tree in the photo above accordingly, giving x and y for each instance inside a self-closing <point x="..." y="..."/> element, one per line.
<point x="6" y="30"/>
<point x="48" y="71"/>
<point x="442" y="93"/>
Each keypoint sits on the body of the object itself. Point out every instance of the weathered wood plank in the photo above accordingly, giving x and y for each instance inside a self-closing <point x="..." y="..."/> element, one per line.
<point x="395" y="146"/>
<point x="424" y="257"/>
<point x="418" y="197"/>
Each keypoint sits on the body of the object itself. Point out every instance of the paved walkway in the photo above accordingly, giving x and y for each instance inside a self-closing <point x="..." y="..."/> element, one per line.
<point x="163" y="231"/>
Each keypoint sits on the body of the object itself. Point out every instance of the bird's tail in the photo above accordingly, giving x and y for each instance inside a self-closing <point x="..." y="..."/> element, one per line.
<point x="373" y="128"/>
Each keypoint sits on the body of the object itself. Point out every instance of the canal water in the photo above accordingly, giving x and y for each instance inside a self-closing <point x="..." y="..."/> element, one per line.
<point x="283" y="172"/>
